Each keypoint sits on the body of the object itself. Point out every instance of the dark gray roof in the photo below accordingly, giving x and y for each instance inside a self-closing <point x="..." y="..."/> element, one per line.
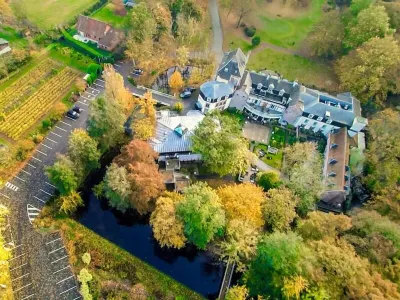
<point x="233" y="64"/>
<point x="318" y="103"/>
<point x="215" y="89"/>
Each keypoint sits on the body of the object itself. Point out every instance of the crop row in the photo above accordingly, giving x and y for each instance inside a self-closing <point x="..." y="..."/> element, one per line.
<point x="13" y="95"/>
<point x="39" y="103"/>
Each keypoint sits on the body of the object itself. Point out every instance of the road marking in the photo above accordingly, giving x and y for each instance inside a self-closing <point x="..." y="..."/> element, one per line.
<point x="65" y="279"/>
<point x="16" y="247"/>
<point x="57" y="239"/>
<point x="46" y="192"/>
<point x="67" y="290"/>
<point x="55" y="134"/>
<point x="27" y="297"/>
<point x="32" y="212"/>
<point x="56" y="250"/>
<point x="31" y="166"/>
<point x="15" y="257"/>
<point x="77" y="298"/>
<point x="18" y="267"/>
<point x="47" y="146"/>
<point x="4" y="195"/>
<point x="23" y="287"/>
<point x="98" y="85"/>
<point x="53" y="262"/>
<point x="50" y="184"/>
<point x="94" y="89"/>
<point x="60" y="128"/>
<point x="117" y="65"/>
<point x="39" y="199"/>
<point x="12" y="186"/>
<point x="20" y="277"/>
<point x="41" y="152"/>
<point x="100" y="80"/>
<point x="70" y="118"/>
<point x="19" y="178"/>
<point x="87" y="98"/>
<point x="65" y="123"/>
<point x="26" y="172"/>
<point x="36" y="158"/>
<point x="60" y="270"/>
<point x="82" y="103"/>
<point x="52" y="140"/>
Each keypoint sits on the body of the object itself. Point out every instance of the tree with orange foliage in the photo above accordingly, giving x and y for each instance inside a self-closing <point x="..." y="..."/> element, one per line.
<point x="175" y="81"/>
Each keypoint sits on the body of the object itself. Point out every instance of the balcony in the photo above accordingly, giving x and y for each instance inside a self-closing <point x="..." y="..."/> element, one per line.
<point x="263" y="111"/>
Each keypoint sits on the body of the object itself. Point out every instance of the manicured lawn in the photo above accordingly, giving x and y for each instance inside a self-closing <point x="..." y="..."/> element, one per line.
<point x="106" y="14"/>
<point x="288" y="32"/>
<point x="70" y="57"/>
<point x="11" y="35"/>
<point x="273" y="160"/>
<point x="294" y="67"/>
<point x="48" y="13"/>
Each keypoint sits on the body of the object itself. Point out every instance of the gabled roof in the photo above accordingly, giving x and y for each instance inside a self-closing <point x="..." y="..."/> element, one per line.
<point x="215" y="89"/>
<point x="233" y="64"/>
<point x="107" y="35"/>
<point x="3" y="41"/>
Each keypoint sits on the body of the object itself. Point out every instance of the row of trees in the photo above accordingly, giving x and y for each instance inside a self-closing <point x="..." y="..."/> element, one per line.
<point x="5" y="256"/>
<point x="364" y="34"/>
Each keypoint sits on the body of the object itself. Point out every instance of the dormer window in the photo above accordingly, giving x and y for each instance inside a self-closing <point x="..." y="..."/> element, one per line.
<point x="226" y="70"/>
<point x="329" y="121"/>
<point x="319" y="119"/>
<point x="281" y="92"/>
<point x="208" y="99"/>
<point x="259" y="86"/>
<point x="311" y="116"/>
<point x="270" y="87"/>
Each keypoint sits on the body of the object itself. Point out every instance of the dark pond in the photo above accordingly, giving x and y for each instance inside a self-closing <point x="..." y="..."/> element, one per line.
<point x="198" y="270"/>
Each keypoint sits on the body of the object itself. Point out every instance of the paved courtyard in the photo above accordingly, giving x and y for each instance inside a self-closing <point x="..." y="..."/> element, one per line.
<point x="256" y="132"/>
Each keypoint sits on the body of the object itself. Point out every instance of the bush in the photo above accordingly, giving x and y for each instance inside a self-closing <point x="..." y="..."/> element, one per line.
<point x="24" y="147"/>
<point x="255" y="41"/>
<point x="57" y="112"/>
<point x="178" y="107"/>
<point x="46" y="124"/>
<point x="38" y="138"/>
<point x="250" y="31"/>
<point x="132" y="81"/>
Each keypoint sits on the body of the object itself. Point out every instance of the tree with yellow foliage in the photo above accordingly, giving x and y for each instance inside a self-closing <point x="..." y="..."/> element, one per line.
<point x="175" y="81"/>
<point x="182" y="56"/>
<point x="5" y="255"/>
<point x="243" y="202"/>
<point x="115" y="89"/>
<point x="237" y="292"/>
<point x="144" y="128"/>
<point x="167" y="228"/>
<point x="293" y="286"/>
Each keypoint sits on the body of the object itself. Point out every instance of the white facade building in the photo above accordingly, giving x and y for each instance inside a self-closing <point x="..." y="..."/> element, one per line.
<point x="215" y="95"/>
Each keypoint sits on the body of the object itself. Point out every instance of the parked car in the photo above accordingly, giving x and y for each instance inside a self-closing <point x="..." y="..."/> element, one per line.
<point x="254" y="168"/>
<point x="72" y="114"/>
<point x="240" y="177"/>
<point x="253" y="177"/>
<point x="137" y="72"/>
<point x="77" y="109"/>
<point x="185" y="94"/>
<point x="189" y="89"/>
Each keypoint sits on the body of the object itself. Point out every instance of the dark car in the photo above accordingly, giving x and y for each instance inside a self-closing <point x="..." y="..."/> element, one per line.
<point x="253" y="177"/>
<point x="72" y="114"/>
<point x="189" y="89"/>
<point x="137" y="72"/>
<point x="185" y="94"/>
<point x="254" y="168"/>
<point x="77" y="109"/>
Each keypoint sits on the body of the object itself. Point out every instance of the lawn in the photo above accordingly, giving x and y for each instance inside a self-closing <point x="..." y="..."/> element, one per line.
<point x="11" y="35"/>
<point x="293" y="67"/>
<point x="46" y="14"/>
<point x="273" y="160"/>
<point x="70" y="57"/>
<point x="107" y="14"/>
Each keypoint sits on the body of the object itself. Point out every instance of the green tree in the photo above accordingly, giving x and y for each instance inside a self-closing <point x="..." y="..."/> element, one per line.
<point x="218" y="139"/>
<point x="117" y="188"/>
<point x="371" y="70"/>
<point x="70" y="203"/>
<point x="279" y="209"/>
<point x="268" y="180"/>
<point x="303" y="168"/>
<point x="82" y="150"/>
<point x="143" y="24"/>
<point x="202" y="214"/>
<point x="327" y="35"/>
<point x="358" y="5"/>
<point x="371" y="22"/>
<point x="279" y="255"/>
<point x="62" y="175"/>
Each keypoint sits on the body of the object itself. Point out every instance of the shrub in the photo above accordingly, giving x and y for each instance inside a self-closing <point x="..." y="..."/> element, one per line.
<point x="178" y="107"/>
<point x="46" y="124"/>
<point x="250" y="31"/>
<point x="132" y="81"/>
<point x="255" y="41"/>
<point x="57" y="112"/>
<point x="86" y="258"/>
<point x="23" y="149"/>
<point x="37" y="138"/>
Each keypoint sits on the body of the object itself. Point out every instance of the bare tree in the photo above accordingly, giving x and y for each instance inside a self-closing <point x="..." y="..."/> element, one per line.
<point x="243" y="8"/>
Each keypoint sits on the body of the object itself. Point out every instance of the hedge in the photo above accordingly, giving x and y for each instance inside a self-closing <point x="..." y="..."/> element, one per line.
<point x="250" y="31"/>
<point x="68" y="40"/>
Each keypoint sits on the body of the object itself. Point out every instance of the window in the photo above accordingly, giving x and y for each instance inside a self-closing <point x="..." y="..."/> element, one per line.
<point x="329" y="121"/>
<point x="207" y="105"/>
<point x="311" y="116"/>
<point x="208" y="99"/>
<point x="319" y="119"/>
<point x="305" y="121"/>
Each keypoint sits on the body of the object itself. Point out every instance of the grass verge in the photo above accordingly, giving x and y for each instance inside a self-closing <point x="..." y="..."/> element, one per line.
<point x="107" y="14"/>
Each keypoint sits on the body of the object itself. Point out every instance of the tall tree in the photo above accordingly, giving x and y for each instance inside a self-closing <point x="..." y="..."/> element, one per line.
<point x="116" y="187"/>
<point x="143" y="24"/>
<point x="371" y="22"/>
<point x="175" y="81"/>
<point x="144" y="128"/>
<point x="268" y="180"/>
<point x="327" y="35"/>
<point x="70" y="203"/>
<point x="279" y="256"/>
<point x="5" y="11"/>
<point x="62" y="175"/>
<point x="237" y="292"/>
<point x="140" y="52"/>
<point x="243" y="202"/>
<point x="242" y="9"/>
<point x="218" y="139"/>
<point x="371" y="71"/>
<point x="202" y="214"/>
<point x="82" y="150"/>
<point x="303" y="167"/>
<point x="182" y="56"/>
<point x="114" y="88"/>
<point x="167" y="228"/>
<point x="279" y="209"/>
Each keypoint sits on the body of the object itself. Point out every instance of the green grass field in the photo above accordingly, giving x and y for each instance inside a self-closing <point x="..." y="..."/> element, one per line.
<point x="288" y="32"/>
<point x="48" y="13"/>
<point x="294" y="67"/>
<point x="106" y="14"/>
<point x="11" y="35"/>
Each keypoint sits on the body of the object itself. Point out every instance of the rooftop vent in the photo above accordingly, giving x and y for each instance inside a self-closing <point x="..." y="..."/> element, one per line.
<point x="281" y="92"/>
<point x="327" y="113"/>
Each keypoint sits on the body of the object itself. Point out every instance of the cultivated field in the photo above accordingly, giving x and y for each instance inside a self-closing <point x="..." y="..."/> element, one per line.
<point x="24" y="102"/>
<point x="48" y="13"/>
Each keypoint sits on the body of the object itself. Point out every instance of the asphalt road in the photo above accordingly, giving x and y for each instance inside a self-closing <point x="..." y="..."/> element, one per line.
<point x="39" y="267"/>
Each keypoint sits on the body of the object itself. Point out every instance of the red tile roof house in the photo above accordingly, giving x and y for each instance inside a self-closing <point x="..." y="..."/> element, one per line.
<point x="104" y="35"/>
